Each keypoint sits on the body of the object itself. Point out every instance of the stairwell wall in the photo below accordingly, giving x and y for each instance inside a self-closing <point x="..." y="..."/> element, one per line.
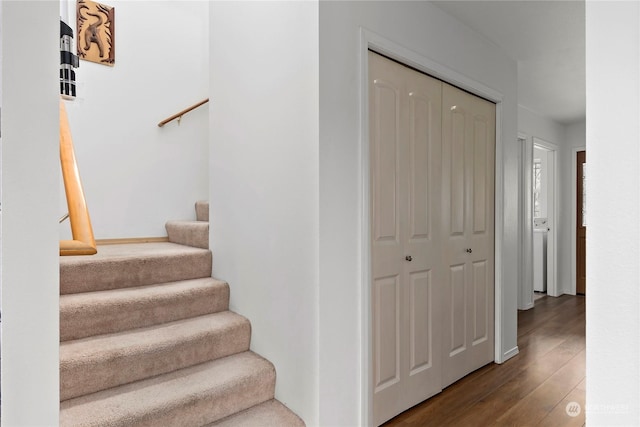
<point x="30" y="168"/>
<point x="136" y="175"/>
<point x="264" y="182"/>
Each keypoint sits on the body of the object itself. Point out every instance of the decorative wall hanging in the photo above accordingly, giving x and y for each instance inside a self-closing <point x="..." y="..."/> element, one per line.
<point x="96" y="32"/>
<point x="68" y="62"/>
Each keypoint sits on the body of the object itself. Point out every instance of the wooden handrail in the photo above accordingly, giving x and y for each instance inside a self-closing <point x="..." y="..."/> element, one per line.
<point x="83" y="242"/>
<point x="182" y="113"/>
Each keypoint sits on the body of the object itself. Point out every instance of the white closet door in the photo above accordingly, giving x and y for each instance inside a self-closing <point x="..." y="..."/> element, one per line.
<point x="405" y="147"/>
<point x="468" y="158"/>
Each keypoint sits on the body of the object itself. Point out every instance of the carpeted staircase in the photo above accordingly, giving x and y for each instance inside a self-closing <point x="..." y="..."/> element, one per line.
<point x="147" y="339"/>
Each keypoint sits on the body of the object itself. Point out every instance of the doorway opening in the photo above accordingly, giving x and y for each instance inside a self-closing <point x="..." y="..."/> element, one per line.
<point x="581" y="222"/>
<point x="545" y="217"/>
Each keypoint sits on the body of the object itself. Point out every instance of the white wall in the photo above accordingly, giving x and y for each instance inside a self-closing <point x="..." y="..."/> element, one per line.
<point x="0" y="173"/>
<point x="136" y="176"/>
<point x="426" y="30"/>
<point x="535" y="125"/>
<point x="30" y="169"/>
<point x="613" y="208"/>
<point x="264" y="182"/>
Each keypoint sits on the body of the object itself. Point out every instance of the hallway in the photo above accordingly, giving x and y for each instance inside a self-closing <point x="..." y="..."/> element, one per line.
<point x="533" y="388"/>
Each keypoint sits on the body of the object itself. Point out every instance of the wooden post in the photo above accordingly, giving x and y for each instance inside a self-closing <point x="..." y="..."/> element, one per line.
<point x="83" y="242"/>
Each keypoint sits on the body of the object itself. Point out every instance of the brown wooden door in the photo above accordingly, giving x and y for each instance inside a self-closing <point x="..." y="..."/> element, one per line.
<point x="581" y="226"/>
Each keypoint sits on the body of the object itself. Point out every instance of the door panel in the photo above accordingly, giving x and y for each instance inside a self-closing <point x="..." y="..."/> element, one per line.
<point x="457" y="170"/>
<point x="387" y="327"/>
<point x="480" y="303"/>
<point x="407" y="152"/>
<point x="421" y="323"/>
<point x="420" y="114"/>
<point x="385" y="147"/>
<point x="468" y="154"/>
<point x="455" y="142"/>
<point x="457" y="310"/>
<point x="387" y="275"/>
<point x="480" y="178"/>
<point x="422" y="238"/>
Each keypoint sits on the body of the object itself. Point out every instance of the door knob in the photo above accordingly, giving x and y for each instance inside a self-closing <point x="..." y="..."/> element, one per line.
<point x="468" y="250"/>
<point x="408" y="258"/>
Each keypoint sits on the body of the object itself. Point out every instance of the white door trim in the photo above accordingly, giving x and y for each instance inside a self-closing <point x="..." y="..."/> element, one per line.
<point x="525" y="294"/>
<point x="384" y="46"/>
<point x="552" y="237"/>
<point x="574" y="223"/>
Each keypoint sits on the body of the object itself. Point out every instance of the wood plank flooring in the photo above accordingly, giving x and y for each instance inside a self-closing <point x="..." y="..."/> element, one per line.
<point x="531" y="389"/>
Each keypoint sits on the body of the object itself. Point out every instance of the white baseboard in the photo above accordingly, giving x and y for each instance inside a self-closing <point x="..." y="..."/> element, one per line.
<point x="509" y="354"/>
<point x="527" y="307"/>
<point x="130" y="240"/>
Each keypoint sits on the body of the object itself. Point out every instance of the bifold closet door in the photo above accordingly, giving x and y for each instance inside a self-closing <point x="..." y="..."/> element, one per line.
<point x="432" y="155"/>
<point x="405" y="157"/>
<point x="468" y="164"/>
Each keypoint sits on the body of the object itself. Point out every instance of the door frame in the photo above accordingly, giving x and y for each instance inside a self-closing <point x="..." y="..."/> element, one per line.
<point x="377" y="43"/>
<point x="525" y="290"/>
<point x="552" y="237"/>
<point x="574" y="219"/>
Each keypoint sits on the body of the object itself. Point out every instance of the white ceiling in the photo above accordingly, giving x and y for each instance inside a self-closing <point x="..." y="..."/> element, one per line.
<point x="546" y="38"/>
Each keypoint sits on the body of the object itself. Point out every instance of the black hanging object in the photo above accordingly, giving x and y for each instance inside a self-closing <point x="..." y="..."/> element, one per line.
<point x="68" y="61"/>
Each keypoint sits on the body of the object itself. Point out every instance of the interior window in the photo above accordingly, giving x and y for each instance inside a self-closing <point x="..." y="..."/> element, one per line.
<point x="537" y="173"/>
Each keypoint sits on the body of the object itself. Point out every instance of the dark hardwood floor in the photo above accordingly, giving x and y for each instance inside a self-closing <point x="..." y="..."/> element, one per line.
<point x="531" y="389"/>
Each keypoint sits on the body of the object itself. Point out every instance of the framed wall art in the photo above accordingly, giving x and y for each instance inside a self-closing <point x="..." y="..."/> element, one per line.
<point x="96" y="32"/>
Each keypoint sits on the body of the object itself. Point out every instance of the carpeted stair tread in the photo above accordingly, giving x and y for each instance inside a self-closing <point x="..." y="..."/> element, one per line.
<point x="130" y="265"/>
<point x="268" y="414"/>
<point x="104" y="361"/>
<point x="104" y="312"/>
<point x="190" y="233"/>
<point x="194" y="396"/>
<point x="202" y="210"/>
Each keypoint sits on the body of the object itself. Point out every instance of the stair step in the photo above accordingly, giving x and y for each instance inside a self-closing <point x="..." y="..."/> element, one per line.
<point x="190" y="233"/>
<point x="193" y="396"/>
<point x="131" y="265"/>
<point x="97" y="363"/>
<point x="105" y="312"/>
<point x="202" y="210"/>
<point x="268" y="414"/>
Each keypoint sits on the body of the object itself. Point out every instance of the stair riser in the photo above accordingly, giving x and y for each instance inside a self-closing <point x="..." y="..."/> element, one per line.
<point x="188" y="233"/>
<point x="82" y="374"/>
<point x="127" y="272"/>
<point x="81" y="316"/>
<point x="202" y="211"/>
